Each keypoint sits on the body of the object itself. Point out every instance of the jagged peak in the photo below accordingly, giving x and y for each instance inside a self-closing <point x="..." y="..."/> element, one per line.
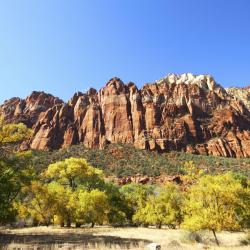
<point x="247" y="87"/>
<point x="36" y="94"/>
<point x="115" y="80"/>
<point x="204" y="81"/>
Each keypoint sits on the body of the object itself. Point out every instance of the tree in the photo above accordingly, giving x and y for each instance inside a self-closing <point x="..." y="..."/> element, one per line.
<point x="214" y="203"/>
<point x="15" y="169"/>
<point x="39" y="204"/>
<point x="192" y="172"/>
<point x="64" y="203"/>
<point x="92" y="207"/>
<point x="163" y="207"/>
<point x="47" y="203"/>
<point x="66" y="193"/>
<point x="12" y="134"/>
<point x="119" y="210"/>
<point x="75" y="173"/>
<point x="136" y="196"/>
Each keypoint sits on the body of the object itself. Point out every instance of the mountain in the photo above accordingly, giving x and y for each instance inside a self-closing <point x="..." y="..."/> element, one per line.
<point x="242" y="94"/>
<point x="185" y="112"/>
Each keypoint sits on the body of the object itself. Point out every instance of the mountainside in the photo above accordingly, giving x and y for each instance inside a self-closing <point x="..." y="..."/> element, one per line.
<point x="242" y="94"/>
<point x="179" y="112"/>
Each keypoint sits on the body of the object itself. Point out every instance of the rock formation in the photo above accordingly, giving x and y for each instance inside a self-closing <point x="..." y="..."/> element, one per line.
<point x="242" y="94"/>
<point x="179" y="112"/>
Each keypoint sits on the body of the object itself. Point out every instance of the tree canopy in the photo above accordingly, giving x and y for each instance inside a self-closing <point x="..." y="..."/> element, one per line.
<point x="214" y="203"/>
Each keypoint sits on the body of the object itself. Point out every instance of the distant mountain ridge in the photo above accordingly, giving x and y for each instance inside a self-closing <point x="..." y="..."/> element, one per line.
<point x="184" y="112"/>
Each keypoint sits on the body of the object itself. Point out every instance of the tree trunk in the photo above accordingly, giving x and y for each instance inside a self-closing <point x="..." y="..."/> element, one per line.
<point x="216" y="240"/>
<point x="68" y="223"/>
<point x="92" y="224"/>
<point x="78" y="224"/>
<point x="158" y="225"/>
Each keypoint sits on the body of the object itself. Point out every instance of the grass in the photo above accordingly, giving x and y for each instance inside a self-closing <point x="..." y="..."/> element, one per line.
<point x="112" y="238"/>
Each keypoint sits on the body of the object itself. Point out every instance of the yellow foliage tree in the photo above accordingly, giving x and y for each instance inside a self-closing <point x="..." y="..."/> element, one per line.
<point x="213" y="203"/>
<point x="162" y="208"/>
<point x="192" y="172"/>
<point x="13" y="133"/>
<point x="12" y="169"/>
<point x="92" y="207"/>
<point x="39" y="204"/>
<point x="74" y="173"/>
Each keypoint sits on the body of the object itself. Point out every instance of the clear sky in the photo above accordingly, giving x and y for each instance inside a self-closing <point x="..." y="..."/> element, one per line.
<point x="64" y="46"/>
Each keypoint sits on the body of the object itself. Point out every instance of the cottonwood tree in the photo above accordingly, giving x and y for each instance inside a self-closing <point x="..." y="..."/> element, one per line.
<point x="67" y="193"/>
<point x="91" y="207"/>
<point x="40" y="204"/>
<point x="75" y="173"/>
<point x="136" y="196"/>
<point x="215" y="203"/>
<point x="14" y="167"/>
<point x="163" y="207"/>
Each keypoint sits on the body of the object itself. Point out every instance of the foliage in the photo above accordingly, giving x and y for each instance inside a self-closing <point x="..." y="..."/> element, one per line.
<point x="126" y="160"/>
<point x="15" y="169"/>
<point x="163" y="207"/>
<point x="74" y="172"/>
<point x="39" y="204"/>
<point x="215" y="203"/>
<point x="119" y="210"/>
<point x="192" y="172"/>
<point x="67" y="194"/>
<point x="68" y="186"/>
<point x="136" y="196"/>
<point x="13" y="133"/>
<point x="92" y="207"/>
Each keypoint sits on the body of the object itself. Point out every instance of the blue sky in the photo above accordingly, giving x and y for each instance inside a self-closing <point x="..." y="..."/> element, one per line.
<point x="66" y="46"/>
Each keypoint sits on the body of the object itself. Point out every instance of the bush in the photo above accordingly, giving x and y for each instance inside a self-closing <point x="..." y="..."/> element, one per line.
<point x="191" y="237"/>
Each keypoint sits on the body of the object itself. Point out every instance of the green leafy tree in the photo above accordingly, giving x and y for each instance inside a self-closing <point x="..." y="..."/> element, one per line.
<point x="215" y="203"/>
<point x="119" y="211"/>
<point x="15" y="169"/>
<point x="163" y="207"/>
<point x="136" y="196"/>
<point x="92" y="207"/>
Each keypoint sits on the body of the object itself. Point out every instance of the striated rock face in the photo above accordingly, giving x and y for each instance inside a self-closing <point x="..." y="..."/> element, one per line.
<point x="27" y="111"/>
<point x="243" y="94"/>
<point x="179" y="112"/>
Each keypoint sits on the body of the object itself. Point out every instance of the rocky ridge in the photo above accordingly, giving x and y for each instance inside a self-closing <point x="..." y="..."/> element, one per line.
<point x="242" y="94"/>
<point x="179" y="112"/>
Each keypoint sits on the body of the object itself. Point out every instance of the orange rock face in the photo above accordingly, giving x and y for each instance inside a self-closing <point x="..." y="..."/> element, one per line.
<point x="179" y="112"/>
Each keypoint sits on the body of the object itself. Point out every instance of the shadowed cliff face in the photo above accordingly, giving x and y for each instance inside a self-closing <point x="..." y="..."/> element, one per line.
<point x="179" y="112"/>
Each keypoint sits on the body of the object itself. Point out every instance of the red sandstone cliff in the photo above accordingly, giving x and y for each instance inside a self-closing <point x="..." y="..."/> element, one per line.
<point x="178" y="112"/>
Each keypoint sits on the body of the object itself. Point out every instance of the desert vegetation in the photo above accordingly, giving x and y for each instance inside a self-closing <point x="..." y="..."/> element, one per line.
<point x="70" y="192"/>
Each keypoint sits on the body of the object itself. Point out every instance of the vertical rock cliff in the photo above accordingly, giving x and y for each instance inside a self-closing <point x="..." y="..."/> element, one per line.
<point x="179" y="112"/>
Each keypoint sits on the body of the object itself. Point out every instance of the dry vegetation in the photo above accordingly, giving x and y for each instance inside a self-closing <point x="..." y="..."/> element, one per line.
<point x="114" y="238"/>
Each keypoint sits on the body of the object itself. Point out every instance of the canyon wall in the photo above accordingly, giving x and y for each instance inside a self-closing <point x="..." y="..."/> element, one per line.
<point x="179" y="112"/>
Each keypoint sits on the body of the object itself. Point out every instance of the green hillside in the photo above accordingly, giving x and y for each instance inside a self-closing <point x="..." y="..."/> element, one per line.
<point x="125" y="160"/>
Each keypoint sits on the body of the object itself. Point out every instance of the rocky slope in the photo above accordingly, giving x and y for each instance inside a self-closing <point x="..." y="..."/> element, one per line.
<point x="242" y="94"/>
<point x="179" y="112"/>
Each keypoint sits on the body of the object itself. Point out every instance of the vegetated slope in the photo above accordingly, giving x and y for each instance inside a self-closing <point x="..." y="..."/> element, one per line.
<point x="126" y="160"/>
<point x="185" y="112"/>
